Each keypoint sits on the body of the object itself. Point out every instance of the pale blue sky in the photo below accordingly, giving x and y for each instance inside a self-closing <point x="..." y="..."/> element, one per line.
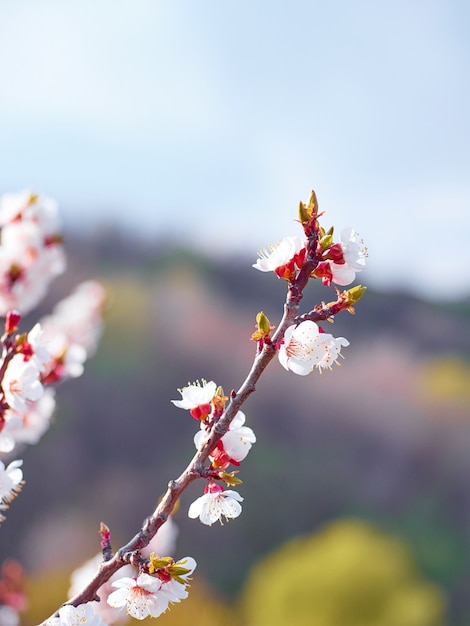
<point x="217" y="117"/>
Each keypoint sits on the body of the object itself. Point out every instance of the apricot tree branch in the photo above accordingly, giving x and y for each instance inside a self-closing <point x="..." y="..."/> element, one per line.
<point x="195" y="468"/>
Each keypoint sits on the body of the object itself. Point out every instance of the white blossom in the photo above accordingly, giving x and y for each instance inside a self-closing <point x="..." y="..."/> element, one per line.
<point x="76" y="616"/>
<point x="21" y="383"/>
<point x="196" y="394"/>
<point x="305" y="348"/>
<point x="30" y="251"/>
<point x="139" y="596"/>
<point x="212" y="507"/>
<point x="11" y="425"/>
<point x="12" y="205"/>
<point x="354" y="253"/>
<point x="29" y="426"/>
<point x="72" y="331"/>
<point x="175" y="591"/>
<point x="11" y="478"/>
<point x="278" y="254"/>
<point x="237" y="441"/>
<point x="22" y="285"/>
<point x="28" y="206"/>
<point x="41" y="354"/>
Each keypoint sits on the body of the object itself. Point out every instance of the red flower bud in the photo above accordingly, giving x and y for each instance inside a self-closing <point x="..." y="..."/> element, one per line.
<point x="11" y="322"/>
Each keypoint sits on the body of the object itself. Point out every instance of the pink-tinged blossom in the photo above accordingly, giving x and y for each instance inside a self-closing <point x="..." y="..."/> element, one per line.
<point x="354" y="254"/>
<point x="72" y="363"/>
<point x="67" y="361"/>
<point x="282" y="258"/>
<point x="36" y="341"/>
<point x="175" y="591"/>
<point x="28" y="206"/>
<point x="11" y="479"/>
<point x="24" y="236"/>
<point x="305" y="348"/>
<point x="215" y="505"/>
<point x="76" y="616"/>
<point x="72" y="331"/>
<point x="139" y="596"/>
<point x="236" y="442"/>
<point x="21" y="383"/>
<point x="13" y="205"/>
<point x="11" y="423"/>
<point x="31" y="254"/>
<point x="29" y="426"/>
<point x="79" y="316"/>
<point x="21" y="285"/>
<point x="196" y="398"/>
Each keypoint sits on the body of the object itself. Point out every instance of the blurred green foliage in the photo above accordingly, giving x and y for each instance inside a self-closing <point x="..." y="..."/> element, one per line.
<point x="347" y="574"/>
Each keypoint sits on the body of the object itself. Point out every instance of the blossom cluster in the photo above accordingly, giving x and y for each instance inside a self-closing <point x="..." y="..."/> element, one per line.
<point x="133" y="592"/>
<point x="138" y="595"/>
<point x="305" y="345"/>
<point x="148" y="591"/>
<point x="31" y="251"/>
<point x="338" y="262"/>
<point x="205" y="401"/>
<point x="53" y="350"/>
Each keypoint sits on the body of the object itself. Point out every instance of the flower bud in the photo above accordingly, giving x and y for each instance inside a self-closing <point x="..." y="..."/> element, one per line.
<point x="263" y="323"/>
<point x="303" y="213"/>
<point x="104" y="532"/>
<point x="352" y="296"/>
<point x="11" y="322"/>
<point x="326" y="242"/>
<point x="313" y="204"/>
<point x="356" y="293"/>
<point x="264" y="328"/>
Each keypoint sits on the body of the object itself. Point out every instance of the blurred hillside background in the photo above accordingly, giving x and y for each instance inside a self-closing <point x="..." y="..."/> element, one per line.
<point x="383" y="440"/>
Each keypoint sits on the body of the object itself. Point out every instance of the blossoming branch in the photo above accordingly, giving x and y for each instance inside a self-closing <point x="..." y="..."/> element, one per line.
<point x="136" y="579"/>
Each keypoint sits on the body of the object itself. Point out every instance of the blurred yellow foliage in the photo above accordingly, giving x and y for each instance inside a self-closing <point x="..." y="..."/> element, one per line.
<point x="45" y="593"/>
<point x="447" y="380"/>
<point x="348" y="574"/>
